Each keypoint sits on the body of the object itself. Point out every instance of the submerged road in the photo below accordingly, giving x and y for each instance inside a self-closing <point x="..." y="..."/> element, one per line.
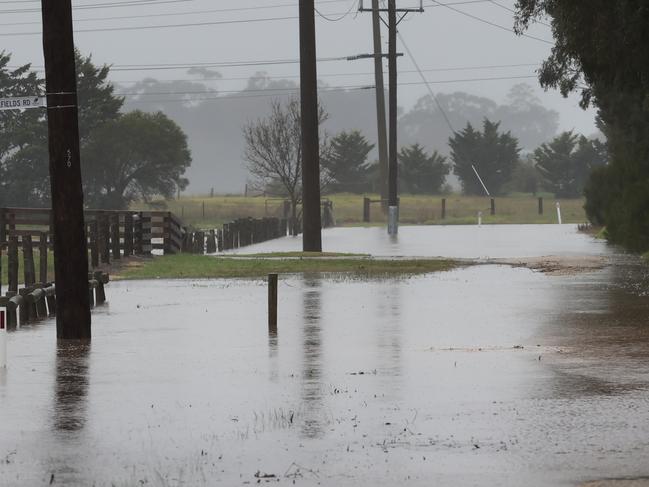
<point x="487" y="375"/>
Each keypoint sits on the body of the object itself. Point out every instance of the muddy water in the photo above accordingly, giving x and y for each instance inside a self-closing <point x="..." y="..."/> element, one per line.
<point x="486" y="375"/>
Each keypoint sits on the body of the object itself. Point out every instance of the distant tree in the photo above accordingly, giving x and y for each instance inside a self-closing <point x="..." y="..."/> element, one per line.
<point x="493" y="153"/>
<point x="420" y="173"/>
<point x="525" y="178"/>
<point x="19" y="130"/>
<point x="565" y="163"/>
<point x="600" y="51"/>
<point x="274" y="150"/>
<point x="24" y="166"/>
<point x="98" y="103"/>
<point x="522" y="113"/>
<point x="346" y="163"/>
<point x="134" y="157"/>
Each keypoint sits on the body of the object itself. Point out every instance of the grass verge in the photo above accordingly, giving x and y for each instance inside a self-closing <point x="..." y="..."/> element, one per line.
<point x="187" y="266"/>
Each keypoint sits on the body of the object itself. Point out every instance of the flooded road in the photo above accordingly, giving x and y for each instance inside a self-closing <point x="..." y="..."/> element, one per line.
<point x="486" y="375"/>
<point x="457" y="241"/>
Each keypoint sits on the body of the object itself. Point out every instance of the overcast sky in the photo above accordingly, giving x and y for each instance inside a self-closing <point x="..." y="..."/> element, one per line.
<point x="444" y="40"/>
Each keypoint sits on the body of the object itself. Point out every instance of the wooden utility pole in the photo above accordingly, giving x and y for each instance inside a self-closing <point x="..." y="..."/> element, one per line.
<point x="312" y="237"/>
<point x="70" y="246"/>
<point x="393" y="170"/>
<point x="380" y="102"/>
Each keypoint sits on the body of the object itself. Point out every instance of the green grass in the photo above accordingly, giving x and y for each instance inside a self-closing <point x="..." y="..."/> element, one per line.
<point x="4" y="262"/>
<point x="295" y="255"/>
<point x="188" y="266"/>
<point x="415" y="209"/>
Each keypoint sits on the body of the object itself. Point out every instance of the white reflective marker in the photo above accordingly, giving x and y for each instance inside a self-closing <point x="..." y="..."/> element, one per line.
<point x="559" y="213"/>
<point x="479" y="218"/>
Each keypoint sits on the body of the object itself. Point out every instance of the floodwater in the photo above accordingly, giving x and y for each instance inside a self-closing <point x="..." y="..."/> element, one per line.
<point x="485" y="375"/>
<point x="457" y="241"/>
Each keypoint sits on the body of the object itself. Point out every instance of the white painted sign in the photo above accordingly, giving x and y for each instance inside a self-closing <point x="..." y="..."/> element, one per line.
<point x="22" y="103"/>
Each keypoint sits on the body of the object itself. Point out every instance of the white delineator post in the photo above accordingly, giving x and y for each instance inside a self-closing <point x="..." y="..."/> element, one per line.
<point x="3" y="337"/>
<point x="479" y="218"/>
<point x="559" y="213"/>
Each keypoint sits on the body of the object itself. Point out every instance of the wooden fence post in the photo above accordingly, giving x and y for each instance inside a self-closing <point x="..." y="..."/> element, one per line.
<point x="94" y="244"/>
<point x="3" y="225"/>
<point x="42" y="247"/>
<point x="211" y="242"/>
<point x="493" y="206"/>
<point x="272" y="303"/>
<point x="104" y="238"/>
<point x="540" y="206"/>
<point x="114" y="237"/>
<point x="137" y="230"/>
<point x="146" y="233"/>
<point x="12" y="265"/>
<point x="128" y="234"/>
<point x="366" y="210"/>
<point x="28" y="259"/>
<point x="443" y="208"/>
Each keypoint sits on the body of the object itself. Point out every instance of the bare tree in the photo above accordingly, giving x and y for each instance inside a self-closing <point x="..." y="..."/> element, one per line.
<point x="274" y="151"/>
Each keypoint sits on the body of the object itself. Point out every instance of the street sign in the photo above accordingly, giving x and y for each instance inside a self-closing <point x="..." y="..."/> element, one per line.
<point x="21" y="103"/>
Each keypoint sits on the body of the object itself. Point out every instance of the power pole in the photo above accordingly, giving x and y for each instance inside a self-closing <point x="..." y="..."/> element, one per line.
<point x="380" y="102"/>
<point x="70" y="245"/>
<point x="311" y="237"/>
<point x="393" y="168"/>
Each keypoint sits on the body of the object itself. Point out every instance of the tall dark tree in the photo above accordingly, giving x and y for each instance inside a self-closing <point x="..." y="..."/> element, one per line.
<point x="565" y="163"/>
<point x="494" y="155"/>
<point x="347" y="164"/>
<point x="137" y="156"/>
<point x="98" y="103"/>
<point x="600" y="50"/>
<point x="420" y="173"/>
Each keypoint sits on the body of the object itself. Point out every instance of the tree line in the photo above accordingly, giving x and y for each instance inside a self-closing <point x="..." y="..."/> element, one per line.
<point x="600" y="51"/>
<point x="561" y="166"/>
<point x="125" y="156"/>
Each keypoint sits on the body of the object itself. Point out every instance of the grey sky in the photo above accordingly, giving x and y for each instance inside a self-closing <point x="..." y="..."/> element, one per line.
<point x="439" y="38"/>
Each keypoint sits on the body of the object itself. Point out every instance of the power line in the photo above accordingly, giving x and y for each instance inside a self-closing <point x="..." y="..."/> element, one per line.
<point x="488" y="22"/>
<point x="505" y="7"/>
<point x="430" y="91"/>
<point x="324" y="89"/>
<point x="337" y="19"/>
<point x="176" y="14"/>
<point x="329" y="75"/>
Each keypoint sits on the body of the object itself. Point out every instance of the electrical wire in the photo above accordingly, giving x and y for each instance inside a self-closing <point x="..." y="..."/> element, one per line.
<point x="488" y="22"/>
<point x="338" y="19"/>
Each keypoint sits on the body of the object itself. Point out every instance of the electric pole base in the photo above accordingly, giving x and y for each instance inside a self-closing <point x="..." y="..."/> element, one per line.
<point x="393" y="220"/>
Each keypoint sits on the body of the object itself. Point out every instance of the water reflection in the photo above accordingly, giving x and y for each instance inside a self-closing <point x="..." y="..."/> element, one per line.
<point x="71" y="388"/>
<point x="312" y="357"/>
<point x="389" y="333"/>
<point x="601" y="322"/>
<point x="273" y="349"/>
